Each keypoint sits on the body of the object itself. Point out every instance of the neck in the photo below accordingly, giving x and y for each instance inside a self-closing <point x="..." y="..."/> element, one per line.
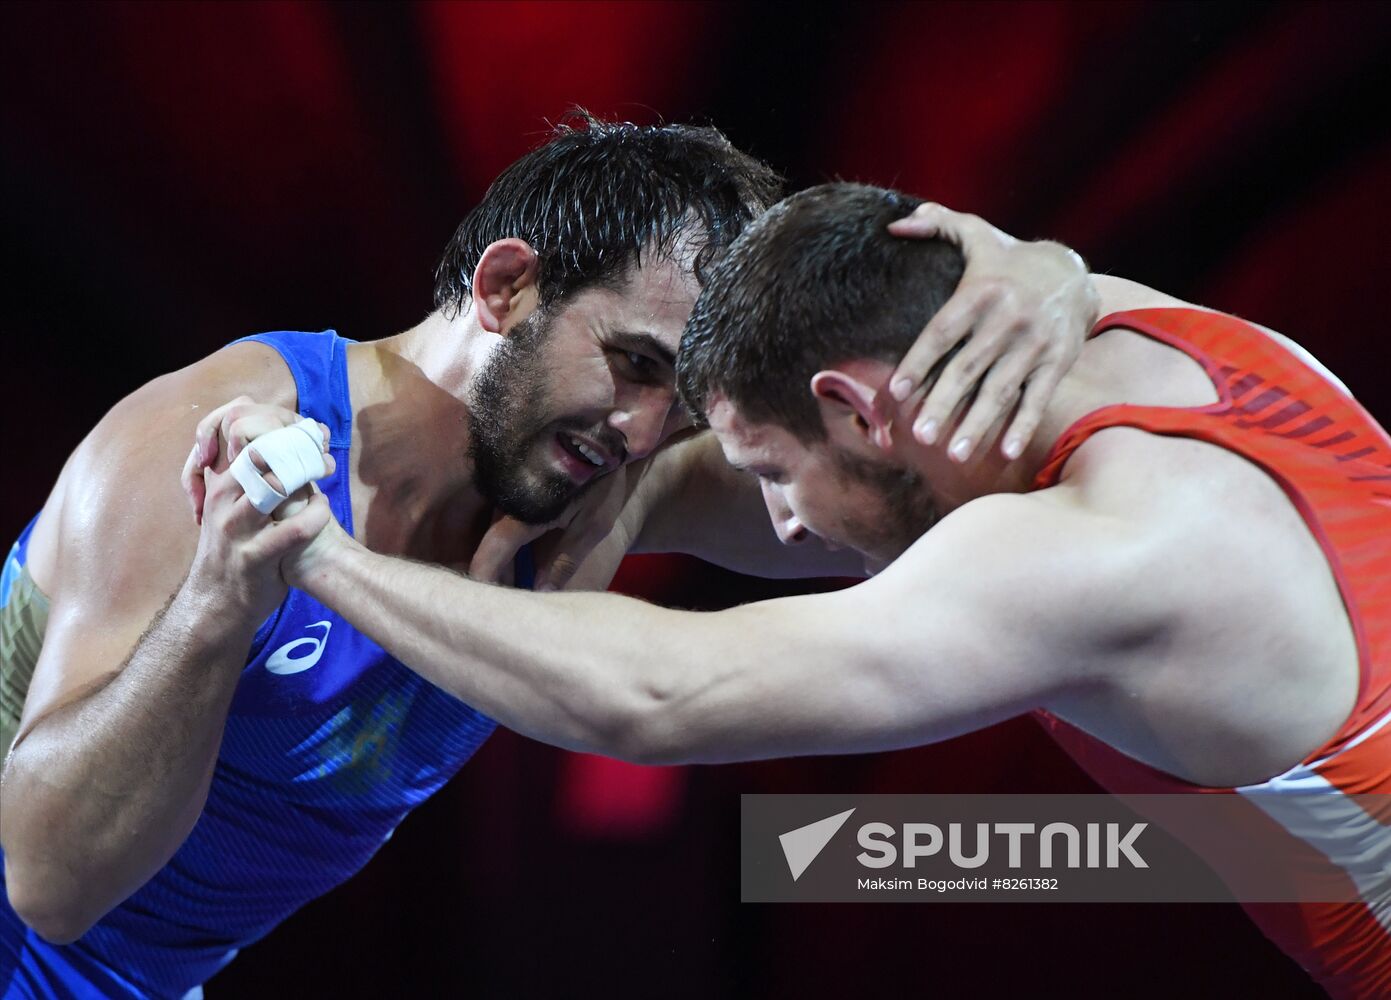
<point x="412" y="479"/>
<point x="1103" y="375"/>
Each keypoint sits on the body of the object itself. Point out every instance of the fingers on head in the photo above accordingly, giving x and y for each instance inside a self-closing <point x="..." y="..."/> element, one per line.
<point x="932" y="344"/>
<point x="923" y="222"/>
<point x="999" y="392"/>
<point x="949" y="327"/>
<point x="957" y="379"/>
<point x="1037" y="392"/>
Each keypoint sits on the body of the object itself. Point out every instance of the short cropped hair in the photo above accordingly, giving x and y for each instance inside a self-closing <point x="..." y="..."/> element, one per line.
<point x="815" y="282"/>
<point x="598" y="196"/>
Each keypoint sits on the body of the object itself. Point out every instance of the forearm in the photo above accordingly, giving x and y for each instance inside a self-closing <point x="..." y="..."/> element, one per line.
<point x="613" y="675"/>
<point x="592" y="672"/>
<point x="99" y="794"/>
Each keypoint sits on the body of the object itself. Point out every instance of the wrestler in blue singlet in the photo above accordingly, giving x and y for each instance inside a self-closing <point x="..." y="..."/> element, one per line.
<point x="329" y="743"/>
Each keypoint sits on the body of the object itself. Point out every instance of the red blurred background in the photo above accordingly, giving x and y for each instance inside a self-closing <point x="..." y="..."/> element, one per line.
<point x="179" y="175"/>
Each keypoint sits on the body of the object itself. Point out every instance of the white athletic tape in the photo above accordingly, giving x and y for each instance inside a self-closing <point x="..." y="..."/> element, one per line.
<point x="294" y="454"/>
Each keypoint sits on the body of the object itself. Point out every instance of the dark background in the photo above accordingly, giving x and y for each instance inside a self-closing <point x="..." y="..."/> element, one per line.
<point x="177" y="176"/>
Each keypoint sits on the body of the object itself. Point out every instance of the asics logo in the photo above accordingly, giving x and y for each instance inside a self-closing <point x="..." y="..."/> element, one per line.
<point x="281" y="662"/>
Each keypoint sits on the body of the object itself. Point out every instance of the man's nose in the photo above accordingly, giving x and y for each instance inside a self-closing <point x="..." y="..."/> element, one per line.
<point x="789" y="529"/>
<point x="644" y="423"/>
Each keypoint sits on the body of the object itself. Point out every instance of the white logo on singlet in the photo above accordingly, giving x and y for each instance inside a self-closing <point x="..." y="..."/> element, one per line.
<point x="281" y="662"/>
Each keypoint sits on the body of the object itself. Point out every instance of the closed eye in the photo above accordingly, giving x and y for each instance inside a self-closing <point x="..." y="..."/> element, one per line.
<point x="774" y="476"/>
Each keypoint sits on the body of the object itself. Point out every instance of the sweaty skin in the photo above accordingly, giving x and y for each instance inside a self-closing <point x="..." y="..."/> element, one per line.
<point x="151" y="619"/>
<point x="1104" y="599"/>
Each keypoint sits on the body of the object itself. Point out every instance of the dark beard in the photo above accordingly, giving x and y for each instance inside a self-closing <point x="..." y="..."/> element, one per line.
<point x="508" y="398"/>
<point x="909" y="507"/>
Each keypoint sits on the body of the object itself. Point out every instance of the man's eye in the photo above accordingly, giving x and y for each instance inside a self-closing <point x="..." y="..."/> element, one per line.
<point x="639" y="366"/>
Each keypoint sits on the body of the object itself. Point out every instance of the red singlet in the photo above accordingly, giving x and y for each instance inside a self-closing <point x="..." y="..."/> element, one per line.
<point x="1334" y="463"/>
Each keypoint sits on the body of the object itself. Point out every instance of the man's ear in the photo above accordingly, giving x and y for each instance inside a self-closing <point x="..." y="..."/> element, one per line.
<point x="504" y="284"/>
<point x="844" y="398"/>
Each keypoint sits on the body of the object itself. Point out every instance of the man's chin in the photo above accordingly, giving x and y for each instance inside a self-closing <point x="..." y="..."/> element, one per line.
<point x="534" y="499"/>
<point x="531" y="509"/>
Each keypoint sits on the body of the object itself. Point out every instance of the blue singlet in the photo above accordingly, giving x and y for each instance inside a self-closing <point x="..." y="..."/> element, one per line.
<point x="329" y="744"/>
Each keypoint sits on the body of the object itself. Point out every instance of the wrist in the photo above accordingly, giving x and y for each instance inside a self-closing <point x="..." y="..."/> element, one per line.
<point x="325" y="559"/>
<point x="215" y="610"/>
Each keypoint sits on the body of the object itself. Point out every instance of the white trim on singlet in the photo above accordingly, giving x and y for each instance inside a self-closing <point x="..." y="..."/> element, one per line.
<point x="1293" y="779"/>
<point x="1334" y="823"/>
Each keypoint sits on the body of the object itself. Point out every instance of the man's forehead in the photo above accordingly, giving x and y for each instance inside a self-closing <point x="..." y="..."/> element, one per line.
<point x="723" y="418"/>
<point x="663" y="285"/>
<point x="742" y="441"/>
<point x="654" y="299"/>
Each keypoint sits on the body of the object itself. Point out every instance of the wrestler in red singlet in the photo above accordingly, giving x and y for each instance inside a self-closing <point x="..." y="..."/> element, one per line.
<point x="1334" y="462"/>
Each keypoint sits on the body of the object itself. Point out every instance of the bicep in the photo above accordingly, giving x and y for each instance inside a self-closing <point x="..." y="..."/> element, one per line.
<point x="112" y="577"/>
<point x="977" y="623"/>
<point x="846" y="673"/>
<point x="118" y="535"/>
<point x="118" y="561"/>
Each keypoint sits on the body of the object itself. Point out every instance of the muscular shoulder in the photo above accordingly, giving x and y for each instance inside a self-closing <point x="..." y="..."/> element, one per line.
<point x="119" y="492"/>
<point x="1046" y="580"/>
<point x="1148" y="545"/>
<point x="1220" y="550"/>
<point x="251" y="368"/>
<point x="1176" y="488"/>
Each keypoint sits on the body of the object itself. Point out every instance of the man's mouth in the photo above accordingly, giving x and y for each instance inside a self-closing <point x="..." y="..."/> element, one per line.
<point x="582" y="458"/>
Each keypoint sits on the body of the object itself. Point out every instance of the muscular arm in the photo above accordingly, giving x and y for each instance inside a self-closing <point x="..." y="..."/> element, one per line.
<point x="124" y="716"/>
<point x="964" y="630"/>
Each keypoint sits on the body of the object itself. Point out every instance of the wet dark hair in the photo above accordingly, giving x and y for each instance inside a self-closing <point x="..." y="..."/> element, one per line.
<point x="816" y="281"/>
<point x="598" y="196"/>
